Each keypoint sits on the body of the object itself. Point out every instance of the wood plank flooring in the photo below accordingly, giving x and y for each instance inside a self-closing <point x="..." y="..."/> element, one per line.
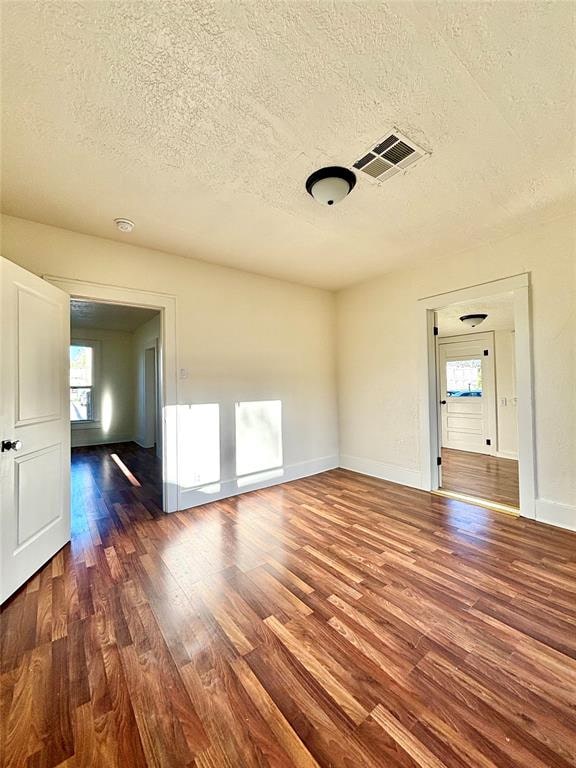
<point x="476" y="474"/>
<point x="333" y="621"/>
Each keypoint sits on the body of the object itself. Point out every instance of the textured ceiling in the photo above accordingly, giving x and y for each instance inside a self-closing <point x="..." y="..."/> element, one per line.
<point x="201" y="121"/>
<point x="112" y="317"/>
<point x="500" y="311"/>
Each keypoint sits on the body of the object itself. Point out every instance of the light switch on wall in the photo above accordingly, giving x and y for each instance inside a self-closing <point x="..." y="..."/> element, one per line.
<point x="183" y="373"/>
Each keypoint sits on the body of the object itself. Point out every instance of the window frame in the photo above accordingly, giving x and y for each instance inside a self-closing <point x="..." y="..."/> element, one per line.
<point x="96" y="421"/>
<point x="479" y="393"/>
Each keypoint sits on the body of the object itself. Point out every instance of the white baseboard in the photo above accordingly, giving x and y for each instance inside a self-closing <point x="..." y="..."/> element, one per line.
<point x="506" y="455"/>
<point x="142" y="443"/>
<point x="84" y="441"/>
<point x="194" y="497"/>
<point x="390" y="472"/>
<point x="561" y="515"/>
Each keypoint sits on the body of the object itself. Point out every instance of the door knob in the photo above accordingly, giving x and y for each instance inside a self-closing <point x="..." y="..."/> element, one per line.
<point x="11" y="445"/>
<point x="442" y="402"/>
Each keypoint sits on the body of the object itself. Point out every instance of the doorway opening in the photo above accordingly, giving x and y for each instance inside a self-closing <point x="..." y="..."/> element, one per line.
<point x="164" y="306"/>
<point x="115" y="388"/>
<point x="476" y="382"/>
<point x="477" y="406"/>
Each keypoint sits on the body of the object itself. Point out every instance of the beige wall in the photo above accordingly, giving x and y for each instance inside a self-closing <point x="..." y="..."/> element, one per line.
<point x="114" y="390"/>
<point x="379" y="348"/>
<point x="506" y="410"/>
<point x="240" y="337"/>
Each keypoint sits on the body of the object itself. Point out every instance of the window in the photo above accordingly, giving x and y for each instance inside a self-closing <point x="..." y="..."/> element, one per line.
<point x="464" y="378"/>
<point x="81" y="382"/>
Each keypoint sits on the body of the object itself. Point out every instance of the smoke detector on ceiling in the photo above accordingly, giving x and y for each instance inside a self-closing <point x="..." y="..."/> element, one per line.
<point x="394" y="152"/>
<point x="124" y="225"/>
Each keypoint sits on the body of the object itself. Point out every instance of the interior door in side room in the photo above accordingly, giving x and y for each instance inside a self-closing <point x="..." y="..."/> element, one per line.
<point x="34" y="424"/>
<point x="467" y="392"/>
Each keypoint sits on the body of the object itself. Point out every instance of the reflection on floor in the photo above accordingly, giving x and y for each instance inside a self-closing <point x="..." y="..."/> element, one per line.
<point x="333" y="621"/>
<point x="475" y="474"/>
<point x="116" y="473"/>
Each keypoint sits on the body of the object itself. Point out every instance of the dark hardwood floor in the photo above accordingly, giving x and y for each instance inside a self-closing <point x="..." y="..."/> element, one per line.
<point x="486" y="477"/>
<point x="333" y="621"/>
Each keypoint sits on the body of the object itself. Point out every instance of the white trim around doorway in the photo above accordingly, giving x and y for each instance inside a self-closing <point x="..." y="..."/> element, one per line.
<point x="166" y="305"/>
<point x="519" y="288"/>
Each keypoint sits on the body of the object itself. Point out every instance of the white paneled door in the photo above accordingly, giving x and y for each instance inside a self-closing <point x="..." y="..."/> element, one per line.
<point x="34" y="424"/>
<point x="467" y="392"/>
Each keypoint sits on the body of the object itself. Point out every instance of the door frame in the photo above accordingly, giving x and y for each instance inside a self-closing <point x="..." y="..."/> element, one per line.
<point x="151" y="397"/>
<point x="168" y="390"/>
<point x="487" y="340"/>
<point x="519" y="288"/>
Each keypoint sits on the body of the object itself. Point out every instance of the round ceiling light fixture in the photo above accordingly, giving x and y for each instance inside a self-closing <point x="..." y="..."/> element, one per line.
<point x="330" y="185"/>
<point x="473" y="320"/>
<point x="124" y="225"/>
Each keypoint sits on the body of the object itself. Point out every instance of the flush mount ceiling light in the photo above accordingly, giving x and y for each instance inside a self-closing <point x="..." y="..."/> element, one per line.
<point x="330" y="185"/>
<point x="124" y="225"/>
<point x="473" y="320"/>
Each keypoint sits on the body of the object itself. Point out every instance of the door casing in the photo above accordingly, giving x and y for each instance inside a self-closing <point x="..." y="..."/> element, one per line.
<point x="166" y="305"/>
<point x="518" y="287"/>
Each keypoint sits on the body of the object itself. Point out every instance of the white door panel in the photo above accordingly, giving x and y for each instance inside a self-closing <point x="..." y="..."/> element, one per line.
<point x="466" y="424"/>
<point x="39" y="381"/>
<point x="467" y="392"/>
<point x="35" y="480"/>
<point x="37" y="505"/>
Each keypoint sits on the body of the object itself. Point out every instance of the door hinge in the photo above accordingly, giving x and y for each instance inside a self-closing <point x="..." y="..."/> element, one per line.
<point x="485" y="353"/>
<point x="488" y="441"/>
<point x="438" y="461"/>
<point x="435" y="331"/>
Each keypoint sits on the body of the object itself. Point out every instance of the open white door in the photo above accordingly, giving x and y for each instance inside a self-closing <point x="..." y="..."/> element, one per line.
<point x="34" y="424"/>
<point x="467" y="391"/>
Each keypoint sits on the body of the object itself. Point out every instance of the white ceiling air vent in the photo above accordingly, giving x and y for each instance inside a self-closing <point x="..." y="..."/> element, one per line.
<point x="389" y="156"/>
